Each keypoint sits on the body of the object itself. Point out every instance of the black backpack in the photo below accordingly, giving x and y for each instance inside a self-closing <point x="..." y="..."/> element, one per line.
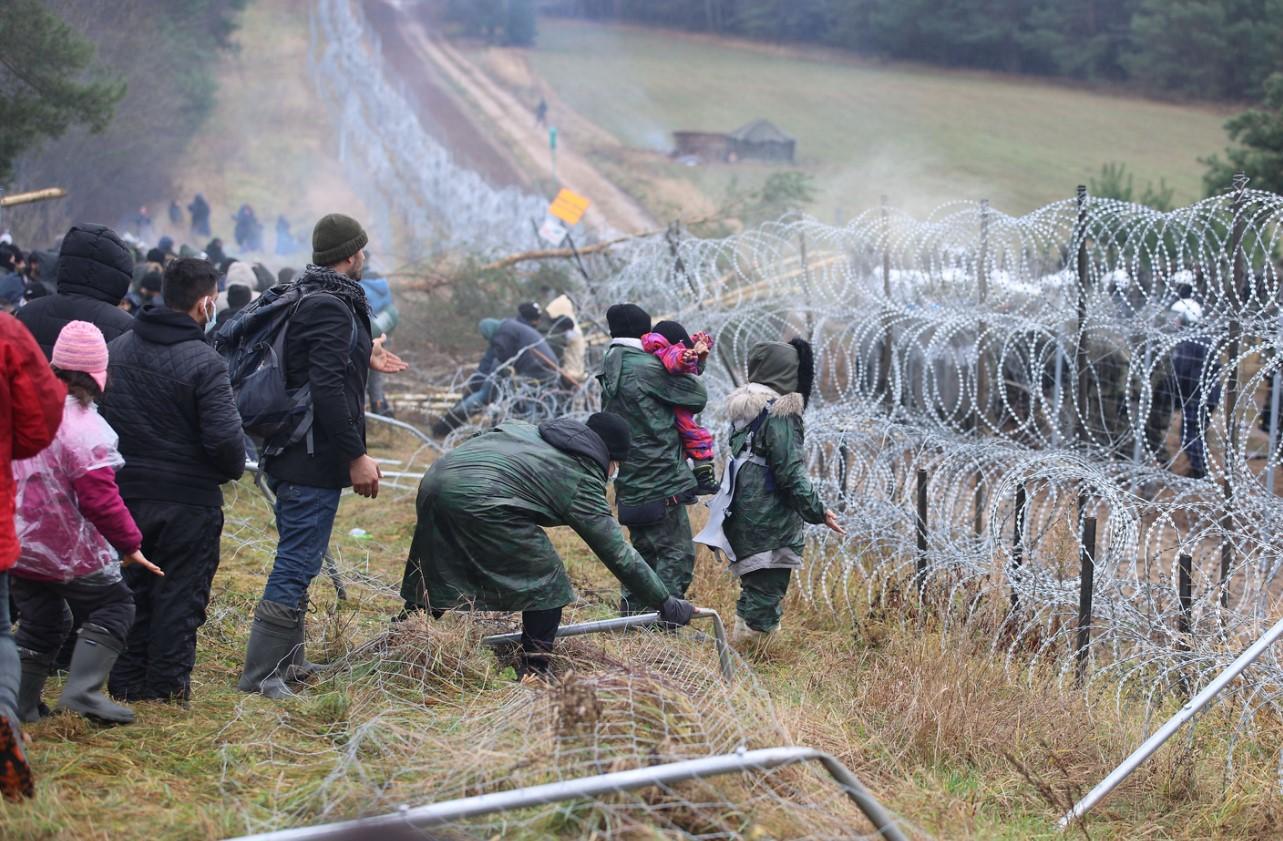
<point x="253" y="343"/>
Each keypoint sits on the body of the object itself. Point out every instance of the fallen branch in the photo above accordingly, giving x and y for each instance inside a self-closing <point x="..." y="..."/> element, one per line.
<point x="32" y="196"/>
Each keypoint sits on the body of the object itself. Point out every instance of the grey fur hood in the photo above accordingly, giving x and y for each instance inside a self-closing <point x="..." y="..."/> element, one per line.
<point x="745" y="403"/>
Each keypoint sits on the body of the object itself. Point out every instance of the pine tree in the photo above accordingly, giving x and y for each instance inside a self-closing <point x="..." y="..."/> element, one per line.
<point x="519" y="31"/>
<point x="47" y="83"/>
<point x="1258" y="134"/>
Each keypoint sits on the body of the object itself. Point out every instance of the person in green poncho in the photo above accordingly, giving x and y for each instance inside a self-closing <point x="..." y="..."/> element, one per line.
<point x="479" y="543"/>
<point x="656" y="483"/>
<point x="758" y="517"/>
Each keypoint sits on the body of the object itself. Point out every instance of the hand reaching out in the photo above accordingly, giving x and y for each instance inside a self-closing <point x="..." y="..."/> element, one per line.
<point x="831" y="520"/>
<point x="383" y="360"/>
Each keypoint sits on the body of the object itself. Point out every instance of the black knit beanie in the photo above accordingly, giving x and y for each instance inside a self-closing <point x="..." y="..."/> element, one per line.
<point x="627" y="321"/>
<point x="529" y="312"/>
<point x="335" y="238"/>
<point x="614" y="432"/>
<point x="674" y="332"/>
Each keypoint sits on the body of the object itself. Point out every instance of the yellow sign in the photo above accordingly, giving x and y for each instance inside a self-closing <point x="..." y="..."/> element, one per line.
<point x="569" y="207"/>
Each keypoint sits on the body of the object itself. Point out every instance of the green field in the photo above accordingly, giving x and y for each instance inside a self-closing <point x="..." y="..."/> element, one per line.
<point x="921" y="136"/>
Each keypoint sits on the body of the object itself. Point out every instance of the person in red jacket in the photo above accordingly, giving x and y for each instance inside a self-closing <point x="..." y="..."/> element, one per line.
<point x="31" y="403"/>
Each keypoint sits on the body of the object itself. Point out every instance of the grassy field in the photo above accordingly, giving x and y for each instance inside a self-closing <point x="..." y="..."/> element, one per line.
<point x="963" y="745"/>
<point x="922" y="136"/>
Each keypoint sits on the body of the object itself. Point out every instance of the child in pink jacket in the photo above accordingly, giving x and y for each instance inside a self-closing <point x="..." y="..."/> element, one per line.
<point x="682" y="353"/>
<point x="71" y="524"/>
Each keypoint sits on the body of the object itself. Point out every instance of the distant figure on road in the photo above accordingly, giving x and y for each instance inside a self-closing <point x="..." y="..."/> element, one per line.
<point x="541" y="112"/>
<point x="199" y="209"/>
<point x="249" y="231"/>
<point x="285" y="242"/>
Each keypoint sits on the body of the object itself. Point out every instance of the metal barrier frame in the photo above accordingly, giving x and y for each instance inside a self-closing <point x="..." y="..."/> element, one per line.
<point x="1162" y="734"/>
<point x="765" y="759"/>
<point x="640" y="620"/>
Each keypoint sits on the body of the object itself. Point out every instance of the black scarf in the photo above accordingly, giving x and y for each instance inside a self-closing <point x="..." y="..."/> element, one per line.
<point x="325" y="279"/>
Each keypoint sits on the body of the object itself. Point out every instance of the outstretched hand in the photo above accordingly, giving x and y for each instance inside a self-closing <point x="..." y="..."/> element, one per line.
<point x="831" y="520"/>
<point x="135" y="558"/>
<point x="383" y="360"/>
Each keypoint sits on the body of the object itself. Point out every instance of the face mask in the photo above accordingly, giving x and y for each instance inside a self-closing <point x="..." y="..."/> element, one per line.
<point x="614" y="474"/>
<point x="210" y="310"/>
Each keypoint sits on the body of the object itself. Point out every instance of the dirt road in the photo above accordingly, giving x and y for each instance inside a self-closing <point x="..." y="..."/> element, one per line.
<point x="513" y="124"/>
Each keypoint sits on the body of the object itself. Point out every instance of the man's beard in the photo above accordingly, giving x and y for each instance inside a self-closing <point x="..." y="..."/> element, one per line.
<point x="355" y="273"/>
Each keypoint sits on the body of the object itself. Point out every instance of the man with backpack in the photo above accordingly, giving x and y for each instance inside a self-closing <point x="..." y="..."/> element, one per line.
<point x="319" y="449"/>
<point x="180" y="435"/>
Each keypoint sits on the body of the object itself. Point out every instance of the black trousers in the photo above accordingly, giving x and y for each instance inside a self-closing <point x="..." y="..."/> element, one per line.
<point x="47" y="606"/>
<point x="161" y="648"/>
<point x="538" y="634"/>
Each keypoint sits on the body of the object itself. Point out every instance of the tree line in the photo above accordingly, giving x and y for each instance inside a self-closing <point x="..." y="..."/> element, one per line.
<point x="99" y="93"/>
<point x="1211" y="49"/>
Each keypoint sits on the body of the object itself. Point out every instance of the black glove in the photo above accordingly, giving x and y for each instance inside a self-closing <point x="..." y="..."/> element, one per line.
<point x="676" y="611"/>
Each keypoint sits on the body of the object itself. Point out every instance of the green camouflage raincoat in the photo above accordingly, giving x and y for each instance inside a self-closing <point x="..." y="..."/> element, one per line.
<point x="635" y="385"/>
<point x="482" y="510"/>
<point x="765" y="519"/>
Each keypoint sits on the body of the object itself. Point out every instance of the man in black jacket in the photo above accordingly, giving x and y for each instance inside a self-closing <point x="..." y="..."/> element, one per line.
<point x="180" y="434"/>
<point x="327" y="346"/>
<point x="94" y="272"/>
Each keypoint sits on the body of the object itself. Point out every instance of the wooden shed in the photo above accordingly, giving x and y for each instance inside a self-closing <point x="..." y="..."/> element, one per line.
<point x="758" y="140"/>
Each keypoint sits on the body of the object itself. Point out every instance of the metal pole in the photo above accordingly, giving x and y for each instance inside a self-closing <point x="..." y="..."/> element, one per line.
<point x="640" y="620"/>
<point x="1185" y="597"/>
<point x="1081" y="360"/>
<point x="1237" y="274"/>
<point x="981" y="393"/>
<point x="886" y="303"/>
<point x="806" y="283"/>
<point x="1017" y="545"/>
<point x="1086" y="583"/>
<point x="1195" y="705"/>
<point x="671" y="773"/>
<point x="1274" y="432"/>
<point x="920" y="578"/>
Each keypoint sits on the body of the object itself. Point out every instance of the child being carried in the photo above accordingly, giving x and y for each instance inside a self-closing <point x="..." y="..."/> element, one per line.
<point x="682" y="353"/>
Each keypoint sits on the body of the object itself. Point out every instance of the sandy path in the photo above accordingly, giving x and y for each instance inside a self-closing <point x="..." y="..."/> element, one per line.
<point x="611" y="208"/>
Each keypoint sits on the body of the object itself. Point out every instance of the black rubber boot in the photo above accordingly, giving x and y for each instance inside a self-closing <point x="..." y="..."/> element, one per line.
<point x="707" y="478"/>
<point x="300" y="668"/>
<point x="272" y="640"/>
<point x="35" y="671"/>
<point x="91" y="661"/>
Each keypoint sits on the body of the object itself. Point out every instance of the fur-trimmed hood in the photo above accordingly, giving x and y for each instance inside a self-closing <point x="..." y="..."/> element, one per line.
<point x="745" y="403"/>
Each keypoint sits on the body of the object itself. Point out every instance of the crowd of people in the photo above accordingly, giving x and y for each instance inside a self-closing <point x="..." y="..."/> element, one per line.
<point x="124" y="419"/>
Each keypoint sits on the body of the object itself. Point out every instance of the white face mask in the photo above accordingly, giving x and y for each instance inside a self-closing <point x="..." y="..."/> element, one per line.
<point x="614" y="474"/>
<point x="211" y="311"/>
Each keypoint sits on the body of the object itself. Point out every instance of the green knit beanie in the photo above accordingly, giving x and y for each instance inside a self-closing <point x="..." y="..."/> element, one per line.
<point x="335" y="238"/>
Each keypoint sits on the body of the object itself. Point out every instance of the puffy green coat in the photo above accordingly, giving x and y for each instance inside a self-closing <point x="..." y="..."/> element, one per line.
<point x="635" y="385"/>
<point x="481" y="512"/>
<point x="763" y="520"/>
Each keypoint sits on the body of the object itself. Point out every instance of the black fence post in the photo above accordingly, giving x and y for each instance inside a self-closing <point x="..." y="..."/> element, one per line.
<point x="1184" y="619"/>
<point x="1086" y="583"/>
<point x="1235" y="295"/>
<point x="1017" y="545"/>
<point x="920" y="578"/>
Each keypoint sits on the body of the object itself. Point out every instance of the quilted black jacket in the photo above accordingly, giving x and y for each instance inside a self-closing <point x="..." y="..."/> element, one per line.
<point x="169" y="400"/>
<point x="94" y="272"/>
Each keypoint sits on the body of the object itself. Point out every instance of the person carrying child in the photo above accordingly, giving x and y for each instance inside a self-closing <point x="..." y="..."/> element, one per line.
<point x="682" y="353"/>
<point x="71" y="523"/>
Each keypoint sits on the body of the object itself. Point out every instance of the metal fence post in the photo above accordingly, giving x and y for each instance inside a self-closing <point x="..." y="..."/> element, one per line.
<point x="920" y="578"/>
<point x="1185" y="597"/>
<point x="1017" y="546"/>
<point x="1080" y="352"/>
<point x="1086" y="583"/>
<point x="1237" y="275"/>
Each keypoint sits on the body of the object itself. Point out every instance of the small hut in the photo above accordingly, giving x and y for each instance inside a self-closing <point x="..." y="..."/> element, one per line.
<point x="759" y="140"/>
<point x="762" y="140"/>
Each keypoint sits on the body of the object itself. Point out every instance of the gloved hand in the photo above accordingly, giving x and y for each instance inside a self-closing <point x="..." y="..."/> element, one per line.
<point x="676" y="611"/>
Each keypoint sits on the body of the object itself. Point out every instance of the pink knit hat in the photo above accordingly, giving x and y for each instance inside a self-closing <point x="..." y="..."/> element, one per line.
<point x="81" y="347"/>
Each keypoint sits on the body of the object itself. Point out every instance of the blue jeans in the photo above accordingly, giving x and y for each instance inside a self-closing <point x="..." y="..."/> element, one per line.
<point x="304" y="519"/>
<point x="10" y="668"/>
